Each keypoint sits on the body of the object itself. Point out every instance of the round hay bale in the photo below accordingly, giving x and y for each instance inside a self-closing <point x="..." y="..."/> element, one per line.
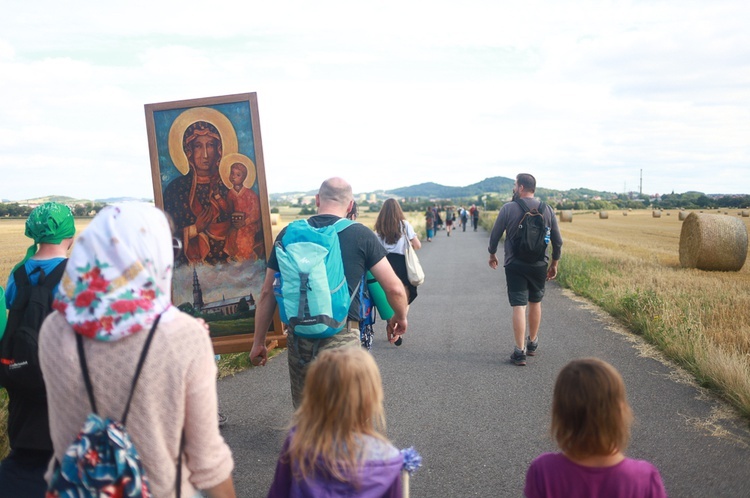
<point x="713" y="243"/>
<point x="275" y="218"/>
<point x="683" y="215"/>
<point x="603" y="215"/>
<point x="656" y="213"/>
<point x="746" y="213"/>
<point x="624" y="213"/>
<point x="630" y="209"/>
<point x="669" y="214"/>
<point x="566" y="216"/>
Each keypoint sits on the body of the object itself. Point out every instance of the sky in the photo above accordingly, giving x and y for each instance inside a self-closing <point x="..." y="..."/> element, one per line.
<point x="386" y="94"/>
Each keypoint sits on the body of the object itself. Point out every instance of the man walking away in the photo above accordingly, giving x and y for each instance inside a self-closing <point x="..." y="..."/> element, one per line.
<point x="360" y="251"/>
<point x="30" y="289"/>
<point x="525" y="275"/>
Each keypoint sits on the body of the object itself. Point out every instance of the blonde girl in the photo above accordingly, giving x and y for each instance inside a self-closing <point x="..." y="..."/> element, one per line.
<point x="336" y="446"/>
<point x="591" y="422"/>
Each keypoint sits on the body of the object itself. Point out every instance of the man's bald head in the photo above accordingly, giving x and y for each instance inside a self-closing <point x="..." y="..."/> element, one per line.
<point x="335" y="197"/>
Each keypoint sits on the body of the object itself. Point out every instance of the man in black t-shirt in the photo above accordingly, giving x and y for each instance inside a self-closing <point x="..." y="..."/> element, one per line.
<point x="360" y="251"/>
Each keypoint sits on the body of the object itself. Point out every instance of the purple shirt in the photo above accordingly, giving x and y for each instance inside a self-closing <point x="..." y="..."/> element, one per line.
<point x="552" y="475"/>
<point x="380" y="477"/>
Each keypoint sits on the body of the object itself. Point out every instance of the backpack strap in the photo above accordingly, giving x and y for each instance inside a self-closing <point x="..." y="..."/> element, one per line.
<point x="53" y="278"/>
<point x="522" y="204"/>
<point x="21" y="277"/>
<point x="141" y="361"/>
<point x="342" y="224"/>
<point x="178" y="478"/>
<point x="542" y="206"/>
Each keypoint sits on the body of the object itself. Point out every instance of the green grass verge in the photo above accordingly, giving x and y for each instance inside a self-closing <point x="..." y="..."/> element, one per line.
<point x="669" y="320"/>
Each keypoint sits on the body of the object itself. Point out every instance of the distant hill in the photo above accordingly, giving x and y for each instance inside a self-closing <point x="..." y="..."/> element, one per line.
<point x="497" y="184"/>
<point x="112" y="200"/>
<point x="72" y="200"/>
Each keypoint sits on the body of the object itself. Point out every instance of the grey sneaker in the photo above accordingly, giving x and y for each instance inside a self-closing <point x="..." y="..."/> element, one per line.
<point x="531" y="346"/>
<point x="518" y="357"/>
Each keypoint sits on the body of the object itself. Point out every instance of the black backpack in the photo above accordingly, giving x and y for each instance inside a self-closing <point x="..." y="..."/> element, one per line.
<point x="530" y="243"/>
<point x="19" y="350"/>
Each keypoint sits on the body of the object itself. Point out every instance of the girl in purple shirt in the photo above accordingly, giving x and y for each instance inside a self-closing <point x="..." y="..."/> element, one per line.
<point x="591" y="422"/>
<point x="336" y="448"/>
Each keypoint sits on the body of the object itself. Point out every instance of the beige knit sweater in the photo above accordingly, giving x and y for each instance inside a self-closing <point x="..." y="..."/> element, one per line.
<point x="177" y="389"/>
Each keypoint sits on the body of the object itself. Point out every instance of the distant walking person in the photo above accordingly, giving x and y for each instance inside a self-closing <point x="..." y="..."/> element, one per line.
<point x="591" y="422"/>
<point x="474" y="216"/>
<point x="394" y="232"/>
<point x="525" y="278"/>
<point x="450" y="217"/>
<point x="464" y="215"/>
<point x="429" y="224"/>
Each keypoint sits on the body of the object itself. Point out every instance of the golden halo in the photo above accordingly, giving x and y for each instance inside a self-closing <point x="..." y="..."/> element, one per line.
<point x="185" y="119"/>
<point x="225" y="167"/>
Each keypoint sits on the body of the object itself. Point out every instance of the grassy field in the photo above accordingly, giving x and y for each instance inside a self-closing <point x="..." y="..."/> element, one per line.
<point x="629" y="266"/>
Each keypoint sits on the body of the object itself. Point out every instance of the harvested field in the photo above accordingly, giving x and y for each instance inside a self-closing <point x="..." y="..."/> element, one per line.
<point x="632" y="270"/>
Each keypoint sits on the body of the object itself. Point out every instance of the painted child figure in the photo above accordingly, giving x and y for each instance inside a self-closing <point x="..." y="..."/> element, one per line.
<point x="591" y="422"/>
<point x="243" y="204"/>
<point x="337" y="448"/>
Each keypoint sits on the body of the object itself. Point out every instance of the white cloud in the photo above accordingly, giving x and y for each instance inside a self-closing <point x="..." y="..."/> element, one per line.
<point x="580" y="93"/>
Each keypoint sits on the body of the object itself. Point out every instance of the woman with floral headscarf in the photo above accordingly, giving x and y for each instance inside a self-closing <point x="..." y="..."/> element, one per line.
<point x="116" y="286"/>
<point x="51" y="227"/>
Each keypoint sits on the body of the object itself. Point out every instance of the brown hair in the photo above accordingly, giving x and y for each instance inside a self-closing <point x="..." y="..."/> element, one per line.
<point x="590" y="412"/>
<point x="388" y="225"/>
<point x="242" y="168"/>
<point x="342" y="401"/>
<point x="528" y="181"/>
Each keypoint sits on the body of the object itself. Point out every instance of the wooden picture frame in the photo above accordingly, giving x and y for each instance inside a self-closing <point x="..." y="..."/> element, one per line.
<point x="208" y="175"/>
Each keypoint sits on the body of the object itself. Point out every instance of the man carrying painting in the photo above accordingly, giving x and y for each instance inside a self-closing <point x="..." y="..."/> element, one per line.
<point x="525" y="279"/>
<point x="360" y="251"/>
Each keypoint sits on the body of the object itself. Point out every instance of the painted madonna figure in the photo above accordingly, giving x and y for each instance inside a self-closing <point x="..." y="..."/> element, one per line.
<point x="195" y="200"/>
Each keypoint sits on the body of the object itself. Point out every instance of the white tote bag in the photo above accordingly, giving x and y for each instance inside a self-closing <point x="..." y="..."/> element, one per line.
<point x="413" y="267"/>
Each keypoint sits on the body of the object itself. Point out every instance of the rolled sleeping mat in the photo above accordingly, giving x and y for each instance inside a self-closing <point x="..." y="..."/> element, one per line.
<point x="378" y="297"/>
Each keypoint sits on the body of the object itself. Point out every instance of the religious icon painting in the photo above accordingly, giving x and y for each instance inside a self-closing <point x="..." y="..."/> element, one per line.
<point x="209" y="177"/>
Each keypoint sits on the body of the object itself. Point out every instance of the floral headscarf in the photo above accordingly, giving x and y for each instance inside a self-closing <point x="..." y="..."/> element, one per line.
<point x="119" y="275"/>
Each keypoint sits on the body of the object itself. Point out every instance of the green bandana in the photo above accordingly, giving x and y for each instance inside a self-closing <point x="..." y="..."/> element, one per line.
<point x="50" y="223"/>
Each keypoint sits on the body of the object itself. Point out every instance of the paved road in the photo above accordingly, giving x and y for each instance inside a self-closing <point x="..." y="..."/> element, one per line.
<point x="477" y="419"/>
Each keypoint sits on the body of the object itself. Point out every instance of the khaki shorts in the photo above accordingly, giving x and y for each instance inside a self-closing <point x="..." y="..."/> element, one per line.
<point x="301" y="351"/>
